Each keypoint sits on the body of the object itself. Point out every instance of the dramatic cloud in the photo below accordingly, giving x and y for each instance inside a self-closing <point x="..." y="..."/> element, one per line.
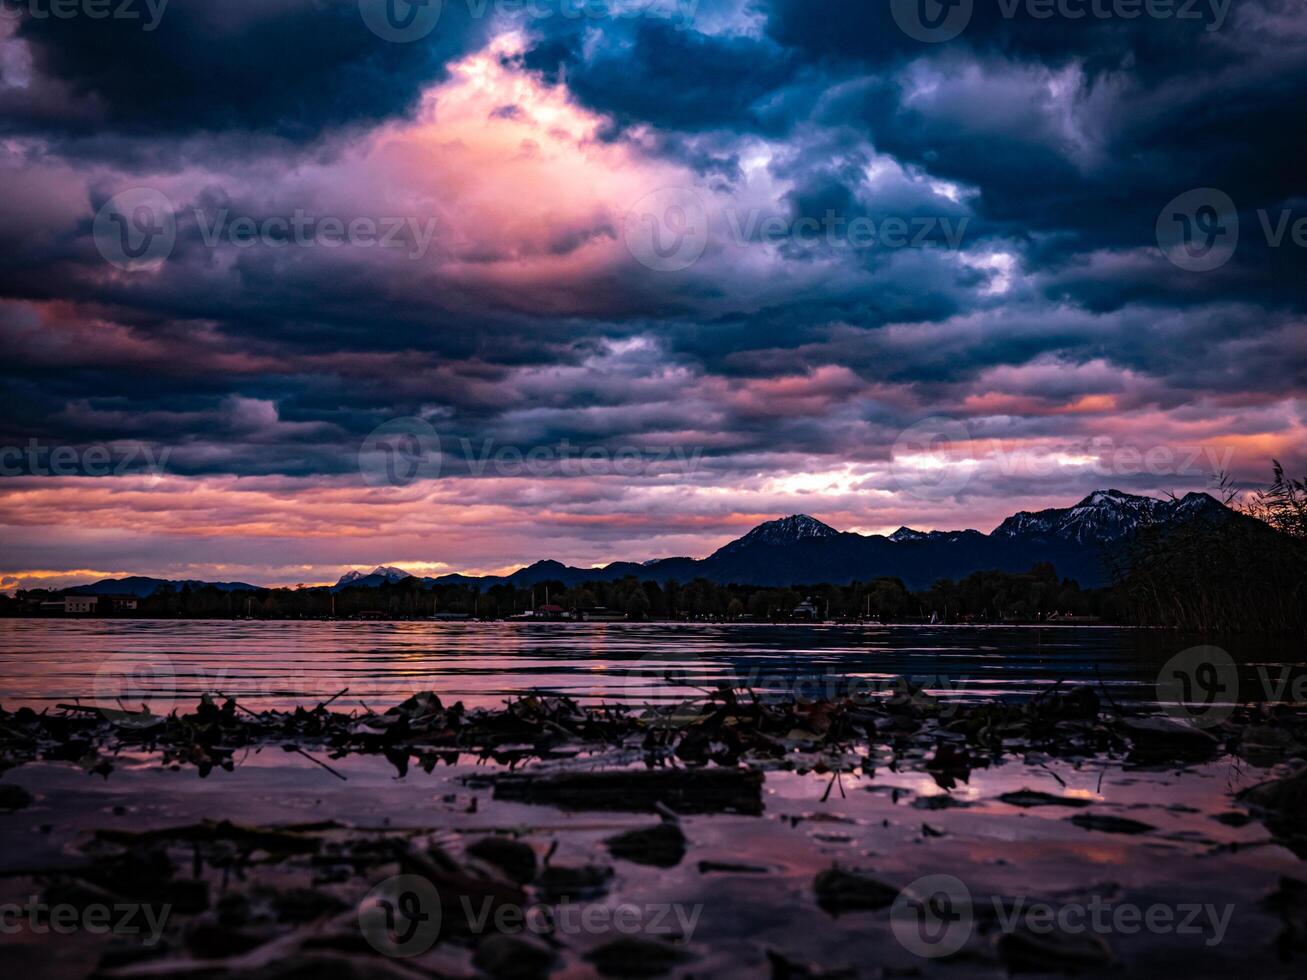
<point x="636" y="274"/>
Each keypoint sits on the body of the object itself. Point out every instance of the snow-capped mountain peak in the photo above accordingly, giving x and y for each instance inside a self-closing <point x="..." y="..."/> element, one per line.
<point x="1103" y="516"/>
<point x="912" y="534"/>
<point x="786" y="530"/>
<point x="908" y="534"/>
<point x="386" y="572"/>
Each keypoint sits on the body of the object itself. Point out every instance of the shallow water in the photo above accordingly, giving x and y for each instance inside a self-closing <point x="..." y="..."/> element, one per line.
<point x="280" y="664"/>
<point x="746" y="884"/>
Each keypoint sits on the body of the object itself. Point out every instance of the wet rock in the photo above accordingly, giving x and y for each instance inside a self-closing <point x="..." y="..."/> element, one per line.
<point x="784" y="968"/>
<point x="1108" y="824"/>
<point x="513" y="957"/>
<point x="841" y="891"/>
<point x="635" y="957"/>
<point x="683" y="790"/>
<point x="514" y="858"/>
<point x="1023" y="950"/>
<point x="559" y="881"/>
<point x="662" y="846"/>
<point x="732" y="867"/>
<point x="14" y="798"/>
<point x="1267" y="745"/>
<point x="1164" y="738"/>
<point x="465" y="896"/>
<point x="1282" y="806"/>
<point x="1233" y="818"/>
<point x="939" y="801"/>
<point x="1032" y="797"/>
<point x="1289" y="901"/>
<point x="1288" y="794"/>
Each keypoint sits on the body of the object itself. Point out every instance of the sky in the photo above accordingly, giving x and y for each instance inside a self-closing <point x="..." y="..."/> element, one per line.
<point x="295" y="286"/>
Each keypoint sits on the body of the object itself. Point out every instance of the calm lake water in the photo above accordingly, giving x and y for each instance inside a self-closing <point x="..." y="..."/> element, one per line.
<point x="280" y="664"/>
<point x="748" y="879"/>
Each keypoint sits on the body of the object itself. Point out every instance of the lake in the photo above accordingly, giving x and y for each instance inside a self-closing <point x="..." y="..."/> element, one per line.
<point x="281" y="664"/>
<point x="1105" y="838"/>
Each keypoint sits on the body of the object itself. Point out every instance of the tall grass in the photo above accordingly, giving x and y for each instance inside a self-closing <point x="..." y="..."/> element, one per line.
<point x="1244" y="570"/>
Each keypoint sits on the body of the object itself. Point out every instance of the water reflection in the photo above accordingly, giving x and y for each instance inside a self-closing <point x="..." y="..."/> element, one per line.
<point x="280" y="664"/>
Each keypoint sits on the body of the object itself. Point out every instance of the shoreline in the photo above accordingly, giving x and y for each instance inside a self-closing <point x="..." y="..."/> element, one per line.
<point x="603" y="842"/>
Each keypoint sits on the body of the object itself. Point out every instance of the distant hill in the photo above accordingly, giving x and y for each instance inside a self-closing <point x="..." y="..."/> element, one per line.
<point x="143" y="587"/>
<point x="801" y="549"/>
<point x="1079" y="541"/>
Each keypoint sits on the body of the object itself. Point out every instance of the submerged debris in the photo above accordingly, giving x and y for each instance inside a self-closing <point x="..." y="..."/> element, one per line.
<point x="514" y="858"/>
<point x="1026" y="798"/>
<point x="631" y="956"/>
<point x="726" y="729"/>
<point x="284" y="901"/>
<point x="1024" y="950"/>
<point x="1108" y="824"/>
<point x="841" y="891"/>
<point x="661" y="846"/>
<point x="706" y="790"/>
<point x="513" y="957"/>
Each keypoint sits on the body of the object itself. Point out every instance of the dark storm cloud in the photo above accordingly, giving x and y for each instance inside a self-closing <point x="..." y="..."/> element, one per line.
<point x="669" y="76"/>
<point x="1059" y="141"/>
<point x="869" y="32"/>
<point x="293" y="68"/>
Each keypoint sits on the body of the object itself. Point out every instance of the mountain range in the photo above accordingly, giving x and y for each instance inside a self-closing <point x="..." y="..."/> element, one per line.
<point x="801" y="549"/>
